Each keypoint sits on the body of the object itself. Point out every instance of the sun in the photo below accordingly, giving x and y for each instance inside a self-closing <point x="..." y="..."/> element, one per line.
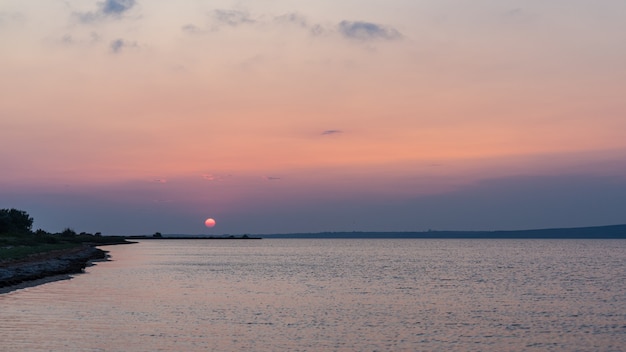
<point x="210" y="222"/>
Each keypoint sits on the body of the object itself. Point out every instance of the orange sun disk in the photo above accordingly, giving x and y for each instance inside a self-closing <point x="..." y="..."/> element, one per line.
<point x="209" y="222"/>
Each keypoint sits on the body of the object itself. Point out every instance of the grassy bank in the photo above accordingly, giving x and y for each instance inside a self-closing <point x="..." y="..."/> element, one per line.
<point x="20" y="252"/>
<point x="17" y="246"/>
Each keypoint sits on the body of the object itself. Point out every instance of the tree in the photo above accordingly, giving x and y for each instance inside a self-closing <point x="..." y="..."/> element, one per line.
<point x="68" y="232"/>
<point x="14" y="220"/>
<point x="41" y="232"/>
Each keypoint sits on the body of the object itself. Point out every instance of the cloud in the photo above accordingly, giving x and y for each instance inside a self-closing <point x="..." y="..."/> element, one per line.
<point x="237" y="18"/>
<point x="107" y="9"/>
<point x="11" y="17"/>
<point x="67" y="39"/>
<point x="294" y="18"/>
<point x="232" y="18"/>
<point x="220" y="17"/>
<point x="208" y="177"/>
<point x="331" y="132"/>
<point x="353" y="30"/>
<point x="367" y="31"/>
<point x="93" y="38"/>
<point x="271" y="178"/>
<point x="211" y="177"/>
<point x="118" y="44"/>
<point x="193" y="29"/>
<point x="116" y="7"/>
<point x="300" y="21"/>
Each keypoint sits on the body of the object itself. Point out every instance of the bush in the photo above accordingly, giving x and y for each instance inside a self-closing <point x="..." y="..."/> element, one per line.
<point x="68" y="232"/>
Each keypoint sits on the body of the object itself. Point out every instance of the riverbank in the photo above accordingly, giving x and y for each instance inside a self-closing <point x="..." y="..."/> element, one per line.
<point x="48" y="264"/>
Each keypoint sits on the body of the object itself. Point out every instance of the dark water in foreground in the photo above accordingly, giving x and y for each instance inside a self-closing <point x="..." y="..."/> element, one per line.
<point x="331" y="295"/>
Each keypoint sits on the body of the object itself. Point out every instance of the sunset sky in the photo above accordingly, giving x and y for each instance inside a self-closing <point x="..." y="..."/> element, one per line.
<point x="137" y="116"/>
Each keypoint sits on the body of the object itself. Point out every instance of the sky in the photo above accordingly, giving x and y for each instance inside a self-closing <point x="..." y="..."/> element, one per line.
<point x="131" y="117"/>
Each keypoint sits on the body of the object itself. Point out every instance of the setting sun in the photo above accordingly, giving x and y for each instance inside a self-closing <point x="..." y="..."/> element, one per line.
<point x="210" y="222"/>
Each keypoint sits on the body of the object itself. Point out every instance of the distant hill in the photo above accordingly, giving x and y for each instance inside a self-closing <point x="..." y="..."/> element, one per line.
<point x="596" y="232"/>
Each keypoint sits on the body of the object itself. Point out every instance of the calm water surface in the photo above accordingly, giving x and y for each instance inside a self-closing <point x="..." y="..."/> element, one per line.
<point x="331" y="295"/>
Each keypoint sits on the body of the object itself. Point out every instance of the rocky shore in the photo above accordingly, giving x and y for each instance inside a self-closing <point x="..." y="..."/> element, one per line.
<point x="69" y="261"/>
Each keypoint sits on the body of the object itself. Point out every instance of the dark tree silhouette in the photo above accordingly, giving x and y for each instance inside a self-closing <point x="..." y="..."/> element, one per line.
<point x="14" y="220"/>
<point x="68" y="232"/>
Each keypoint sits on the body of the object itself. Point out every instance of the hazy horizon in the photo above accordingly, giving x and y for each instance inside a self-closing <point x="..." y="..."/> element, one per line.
<point x="136" y="117"/>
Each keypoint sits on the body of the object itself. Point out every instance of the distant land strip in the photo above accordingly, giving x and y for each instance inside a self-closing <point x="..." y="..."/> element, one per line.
<point x="596" y="232"/>
<point x="189" y="237"/>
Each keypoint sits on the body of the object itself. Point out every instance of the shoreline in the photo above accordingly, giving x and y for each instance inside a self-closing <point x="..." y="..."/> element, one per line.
<point x="44" y="267"/>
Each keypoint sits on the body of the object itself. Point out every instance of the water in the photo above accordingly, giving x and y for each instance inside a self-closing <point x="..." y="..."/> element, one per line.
<point x="331" y="295"/>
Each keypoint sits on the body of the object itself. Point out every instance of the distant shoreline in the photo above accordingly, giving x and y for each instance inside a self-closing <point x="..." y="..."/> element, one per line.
<point x="592" y="232"/>
<point x="595" y="232"/>
<point x="187" y="237"/>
